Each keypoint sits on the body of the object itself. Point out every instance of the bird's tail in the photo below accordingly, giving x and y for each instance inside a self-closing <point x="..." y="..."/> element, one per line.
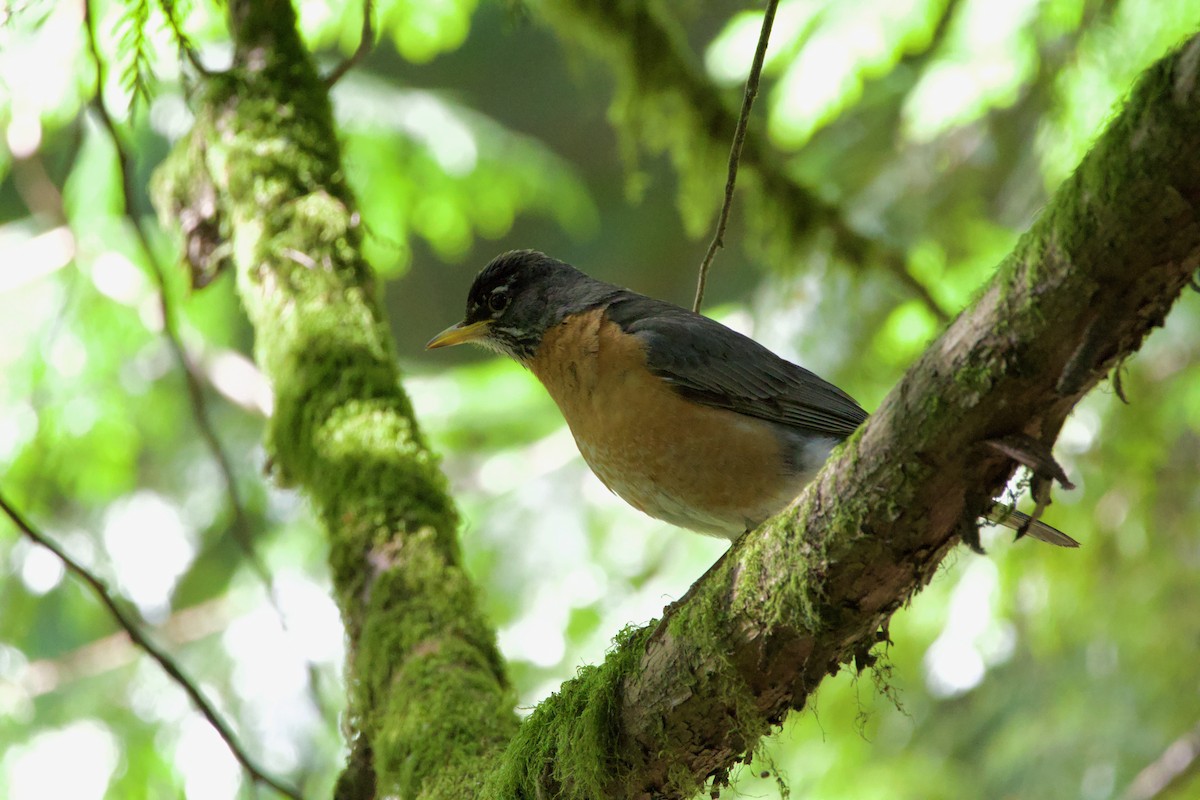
<point x="1011" y="518"/>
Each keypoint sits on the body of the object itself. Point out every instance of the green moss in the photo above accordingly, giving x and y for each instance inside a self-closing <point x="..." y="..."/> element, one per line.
<point x="565" y="746"/>
<point x="428" y="687"/>
<point x="974" y="380"/>
<point x="795" y="560"/>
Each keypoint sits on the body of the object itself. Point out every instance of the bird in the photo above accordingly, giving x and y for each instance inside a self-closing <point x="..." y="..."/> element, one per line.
<point x="682" y="417"/>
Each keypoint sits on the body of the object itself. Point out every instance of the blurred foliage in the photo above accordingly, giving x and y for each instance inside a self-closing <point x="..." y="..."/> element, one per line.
<point x="940" y="125"/>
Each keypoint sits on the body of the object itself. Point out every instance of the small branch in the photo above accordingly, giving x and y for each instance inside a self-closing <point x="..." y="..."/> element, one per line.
<point x="364" y="46"/>
<point x="36" y="189"/>
<point x="134" y="629"/>
<point x="1178" y="763"/>
<point x="735" y="152"/>
<point x="116" y="650"/>
<point x="423" y="669"/>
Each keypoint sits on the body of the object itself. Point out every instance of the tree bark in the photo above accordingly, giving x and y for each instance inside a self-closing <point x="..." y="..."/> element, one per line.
<point x="430" y="704"/>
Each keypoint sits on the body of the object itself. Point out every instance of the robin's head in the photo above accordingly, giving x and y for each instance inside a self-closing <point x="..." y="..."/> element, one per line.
<point x="516" y="298"/>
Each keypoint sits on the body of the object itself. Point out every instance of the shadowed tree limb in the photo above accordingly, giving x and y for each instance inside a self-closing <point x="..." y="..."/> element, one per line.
<point x="365" y="43"/>
<point x="430" y="706"/>
<point x="676" y="108"/>
<point x="240" y="526"/>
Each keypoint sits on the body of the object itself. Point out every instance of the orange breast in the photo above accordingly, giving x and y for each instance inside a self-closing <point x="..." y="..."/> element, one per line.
<point x="707" y="469"/>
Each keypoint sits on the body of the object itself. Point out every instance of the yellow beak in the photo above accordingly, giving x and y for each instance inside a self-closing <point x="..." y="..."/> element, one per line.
<point x="459" y="334"/>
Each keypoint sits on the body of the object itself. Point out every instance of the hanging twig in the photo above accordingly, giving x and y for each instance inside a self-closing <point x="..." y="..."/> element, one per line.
<point x="735" y="152"/>
<point x="364" y="46"/>
<point x="133" y="627"/>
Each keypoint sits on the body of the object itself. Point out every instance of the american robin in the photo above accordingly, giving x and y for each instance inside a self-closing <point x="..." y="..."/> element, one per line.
<point x="683" y="418"/>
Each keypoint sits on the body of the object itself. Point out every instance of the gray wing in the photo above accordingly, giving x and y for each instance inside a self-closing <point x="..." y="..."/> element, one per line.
<point x="711" y="364"/>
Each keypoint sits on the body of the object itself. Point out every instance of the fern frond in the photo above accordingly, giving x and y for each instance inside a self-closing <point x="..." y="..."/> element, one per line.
<point x="174" y="11"/>
<point x="137" y="78"/>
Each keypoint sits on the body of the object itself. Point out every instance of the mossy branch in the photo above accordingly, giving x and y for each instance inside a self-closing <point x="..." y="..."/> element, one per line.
<point x="430" y="705"/>
<point x="814" y="589"/>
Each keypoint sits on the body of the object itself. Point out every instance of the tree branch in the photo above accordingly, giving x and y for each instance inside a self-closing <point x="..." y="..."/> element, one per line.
<point x="365" y="43"/>
<point x="241" y="523"/>
<point x="133" y="628"/>
<point x="813" y="589"/>
<point x="240" y="527"/>
<point x="182" y="40"/>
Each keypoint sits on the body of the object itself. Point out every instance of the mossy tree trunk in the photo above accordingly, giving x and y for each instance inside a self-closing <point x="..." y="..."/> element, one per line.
<point x="430" y="707"/>
<point x="426" y="682"/>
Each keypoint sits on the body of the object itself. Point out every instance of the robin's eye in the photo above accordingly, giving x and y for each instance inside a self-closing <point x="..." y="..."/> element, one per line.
<point x="498" y="302"/>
